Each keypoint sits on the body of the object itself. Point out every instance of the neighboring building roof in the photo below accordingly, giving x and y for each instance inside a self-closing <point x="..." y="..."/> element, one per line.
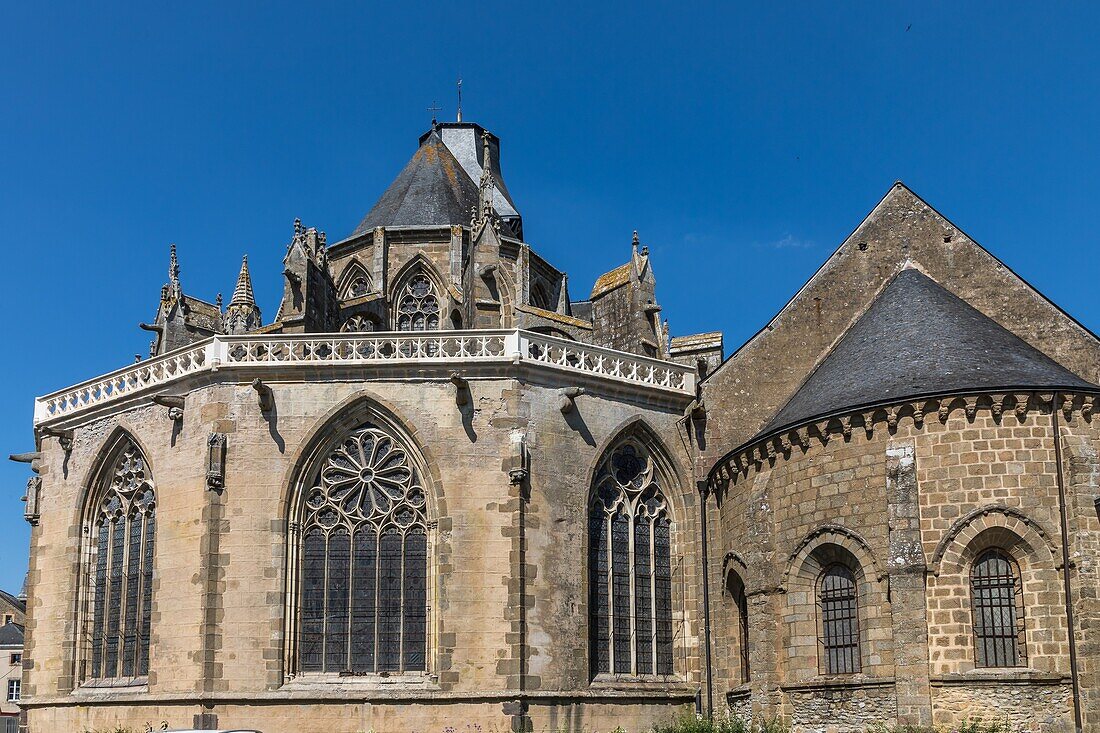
<point x="11" y="635"/>
<point x="13" y="601"/>
<point x="610" y="280"/>
<point x="917" y="339"/>
<point x="439" y="185"/>
<point x="696" y="342"/>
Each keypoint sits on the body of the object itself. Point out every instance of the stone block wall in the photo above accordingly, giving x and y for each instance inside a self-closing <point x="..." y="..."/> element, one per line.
<point x="508" y="599"/>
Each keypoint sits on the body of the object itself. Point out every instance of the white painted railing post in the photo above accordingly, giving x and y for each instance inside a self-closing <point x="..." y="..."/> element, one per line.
<point x="515" y="344"/>
<point x="217" y="352"/>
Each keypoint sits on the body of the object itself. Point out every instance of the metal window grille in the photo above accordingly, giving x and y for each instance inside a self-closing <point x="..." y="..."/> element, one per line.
<point x="364" y="561"/>
<point x="630" y="568"/>
<point x="119" y="571"/>
<point x="839" y="620"/>
<point x="998" y="612"/>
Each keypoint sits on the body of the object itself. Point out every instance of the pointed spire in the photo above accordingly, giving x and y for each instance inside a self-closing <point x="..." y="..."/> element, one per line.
<point x="242" y="294"/>
<point x="242" y="315"/>
<point x="174" y="286"/>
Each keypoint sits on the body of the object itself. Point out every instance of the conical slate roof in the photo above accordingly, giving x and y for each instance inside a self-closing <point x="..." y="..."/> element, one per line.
<point x="917" y="340"/>
<point x="432" y="189"/>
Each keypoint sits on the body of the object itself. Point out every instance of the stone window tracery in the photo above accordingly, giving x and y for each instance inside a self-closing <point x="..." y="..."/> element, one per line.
<point x="630" y="567"/>
<point x="357" y="324"/>
<point x="418" y="305"/>
<point x="357" y="283"/>
<point x="364" y="560"/>
<point x="119" y="571"/>
<point x="996" y="600"/>
<point x="838" y="608"/>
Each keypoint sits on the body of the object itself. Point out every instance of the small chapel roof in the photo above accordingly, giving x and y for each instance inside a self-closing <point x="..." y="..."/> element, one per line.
<point x="917" y="340"/>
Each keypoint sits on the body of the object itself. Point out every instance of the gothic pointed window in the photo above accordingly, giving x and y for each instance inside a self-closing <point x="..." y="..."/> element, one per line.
<point x="838" y="608"/>
<point x="998" y="611"/>
<point x="630" y="567"/>
<point x="119" y="571"/>
<point x="417" y="305"/>
<point x="364" y="560"/>
<point x="356" y="282"/>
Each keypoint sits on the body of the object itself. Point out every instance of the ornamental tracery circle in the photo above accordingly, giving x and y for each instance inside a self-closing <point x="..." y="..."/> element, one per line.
<point x="626" y="482"/>
<point x="130" y="490"/>
<point x="368" y="477"/>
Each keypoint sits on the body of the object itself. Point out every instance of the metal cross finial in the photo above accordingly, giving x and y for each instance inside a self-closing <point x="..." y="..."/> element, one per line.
<point x="460" y="99"/>
<point x="434" y="109"/>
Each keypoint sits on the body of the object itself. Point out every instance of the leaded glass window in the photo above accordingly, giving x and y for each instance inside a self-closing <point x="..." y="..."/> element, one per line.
<point x="119" y="574"/>
<point x="630" y="567"/>
<point x="364" y="560"/>
<point x="839" y="611"/>
<point x="998" y="612"/>
<point x="418" y="305"/>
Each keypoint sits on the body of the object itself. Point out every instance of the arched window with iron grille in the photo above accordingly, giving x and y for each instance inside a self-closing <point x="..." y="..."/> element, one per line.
<point x="838" y="607"/>
<point x="630" y="566"/>
<point x="118" y="571"/>
<point x="363" y="603"/>
<point x="996" y="600"/>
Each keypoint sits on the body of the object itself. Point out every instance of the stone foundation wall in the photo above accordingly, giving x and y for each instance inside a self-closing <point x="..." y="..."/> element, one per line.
<point x="840" y="709"/>
<point x="1040" y="708"/>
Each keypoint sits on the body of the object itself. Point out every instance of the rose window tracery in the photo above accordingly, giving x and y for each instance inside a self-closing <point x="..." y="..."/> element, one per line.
<point x="364" y="560"/>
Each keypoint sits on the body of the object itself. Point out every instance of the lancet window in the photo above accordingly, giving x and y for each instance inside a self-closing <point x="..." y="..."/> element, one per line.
<point x="630" y="567"/>
<point x="119" y="569"/>
<point x="364" y="560"/>
<point x="357" y="283"/>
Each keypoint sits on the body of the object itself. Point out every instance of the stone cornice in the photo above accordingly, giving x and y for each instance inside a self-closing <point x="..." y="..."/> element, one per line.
<point x="769" y="448"/>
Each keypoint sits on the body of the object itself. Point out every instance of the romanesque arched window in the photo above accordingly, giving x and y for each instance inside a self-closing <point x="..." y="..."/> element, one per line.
<point x="996" y="599"/>
<point x="839" y="620"/>
<point x="364" y="559"/>
<point x="118" y="575"/>
<point x="417" y="305"/>
<point x="736" y="589"/>
<point x="630" y="566"/>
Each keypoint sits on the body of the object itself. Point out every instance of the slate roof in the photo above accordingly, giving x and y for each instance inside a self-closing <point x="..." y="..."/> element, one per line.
<point x="11" y="635"/>
<point x="13" y="601"/>
<point x="432" y="189"/>
<point x="916" y="340"/>
<point x="439" y="185"/>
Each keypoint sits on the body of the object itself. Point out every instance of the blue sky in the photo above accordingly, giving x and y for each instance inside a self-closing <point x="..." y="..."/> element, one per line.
<point x="743" y="142"/>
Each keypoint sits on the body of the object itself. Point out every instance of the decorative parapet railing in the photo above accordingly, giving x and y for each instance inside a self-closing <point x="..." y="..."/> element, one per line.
<point x="423" y="348"/>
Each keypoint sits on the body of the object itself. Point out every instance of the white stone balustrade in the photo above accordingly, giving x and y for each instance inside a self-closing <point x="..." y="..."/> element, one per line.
<point x="393" y="348"/>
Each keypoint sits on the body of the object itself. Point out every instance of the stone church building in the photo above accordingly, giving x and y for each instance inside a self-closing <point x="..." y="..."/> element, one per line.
<point x="439" y="489"/>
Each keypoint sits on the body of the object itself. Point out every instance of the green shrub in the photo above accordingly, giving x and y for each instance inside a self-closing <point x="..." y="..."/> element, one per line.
<point x="697" y="724"/>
